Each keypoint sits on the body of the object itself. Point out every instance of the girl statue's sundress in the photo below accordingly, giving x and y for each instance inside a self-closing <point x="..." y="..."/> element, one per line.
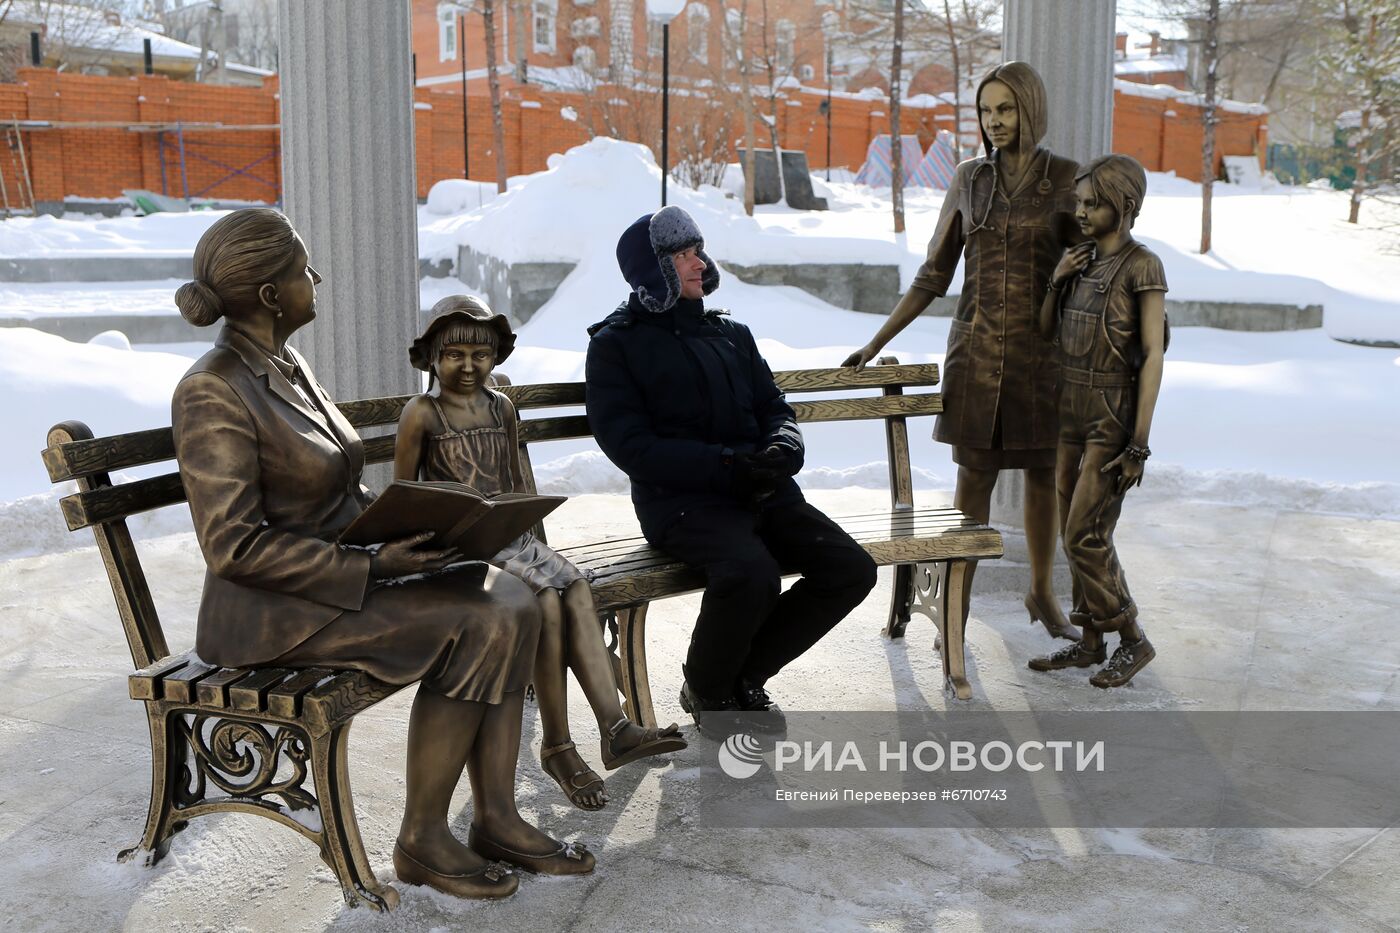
<point x="481" y="458"/>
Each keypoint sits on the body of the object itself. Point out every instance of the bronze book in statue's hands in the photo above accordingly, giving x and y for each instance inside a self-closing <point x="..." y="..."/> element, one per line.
<point x="459" y="516"/>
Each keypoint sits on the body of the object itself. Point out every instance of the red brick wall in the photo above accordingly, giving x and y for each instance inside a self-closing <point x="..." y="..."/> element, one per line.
<point x="101" y="161"/>
<point x="1164" y="134"/>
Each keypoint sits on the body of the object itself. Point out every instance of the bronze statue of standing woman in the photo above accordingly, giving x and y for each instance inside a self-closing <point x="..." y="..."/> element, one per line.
<point x="1010" y="214"/>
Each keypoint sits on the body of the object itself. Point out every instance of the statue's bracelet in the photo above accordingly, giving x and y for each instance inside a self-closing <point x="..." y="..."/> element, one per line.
<point x="1134" y="452"/>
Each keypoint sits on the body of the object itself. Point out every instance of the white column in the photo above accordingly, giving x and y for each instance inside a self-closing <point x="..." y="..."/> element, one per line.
<point x="1071" y="45"/>
<point x="348" y="186"/>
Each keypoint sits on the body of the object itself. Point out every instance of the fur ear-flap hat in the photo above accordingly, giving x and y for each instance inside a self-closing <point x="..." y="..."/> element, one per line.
<point x="644" y="255"/>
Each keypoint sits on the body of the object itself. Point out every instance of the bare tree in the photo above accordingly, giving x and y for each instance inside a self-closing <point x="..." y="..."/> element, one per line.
<point x="493" y="82"/>
<point x="896" y="139"/>
<point x="703" y="143"/>
<point x="524" y="25"/>
<point x="1210" y="60"/>
<point x="1363" y="64"/>
<point x="76" y="38"/>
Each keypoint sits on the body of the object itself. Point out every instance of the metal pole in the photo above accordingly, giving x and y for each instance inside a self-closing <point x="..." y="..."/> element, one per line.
<point x="462" y="37"/>
<point x="24" y="167"/>
<point x="828" y="109"/>
<point x="665" y="104"/>
<point x="149" y="58"/>
<point x="184" y="174"/>
<point x="36" y="57"/>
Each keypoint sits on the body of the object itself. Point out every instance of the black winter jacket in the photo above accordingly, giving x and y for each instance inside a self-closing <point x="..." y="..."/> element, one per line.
<point x="672" y="397"/>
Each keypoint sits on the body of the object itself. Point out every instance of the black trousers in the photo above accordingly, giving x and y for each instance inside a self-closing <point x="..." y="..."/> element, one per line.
<point x="745" y="627"/>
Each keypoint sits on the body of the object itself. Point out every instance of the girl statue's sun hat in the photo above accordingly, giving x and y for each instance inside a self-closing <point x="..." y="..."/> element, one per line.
<point x="461" y="309"/>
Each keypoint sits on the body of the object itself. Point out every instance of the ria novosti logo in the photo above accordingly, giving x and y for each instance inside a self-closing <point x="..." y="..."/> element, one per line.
<point x="740" y="756"/>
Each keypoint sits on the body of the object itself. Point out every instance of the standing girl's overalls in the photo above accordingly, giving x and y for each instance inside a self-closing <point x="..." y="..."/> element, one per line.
<point x="1100" y="354"/>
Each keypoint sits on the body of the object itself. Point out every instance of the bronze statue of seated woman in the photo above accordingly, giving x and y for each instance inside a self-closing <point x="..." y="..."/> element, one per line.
<point x="272" y="472"/>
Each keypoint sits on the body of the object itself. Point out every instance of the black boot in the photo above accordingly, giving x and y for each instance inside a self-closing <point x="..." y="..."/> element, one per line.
<point x="717" y="718"/>
<point x="761" y="713"/>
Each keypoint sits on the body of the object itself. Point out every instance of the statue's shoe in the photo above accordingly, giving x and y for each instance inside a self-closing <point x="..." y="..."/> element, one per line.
<point x="567" y="858"/>
<point x="1075" y="655"/>
<point x="1125" y="663"/>
<point x="490" y="882"/>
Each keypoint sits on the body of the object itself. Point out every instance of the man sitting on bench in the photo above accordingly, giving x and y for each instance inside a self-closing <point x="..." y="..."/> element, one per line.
<point x="680" y="399"/>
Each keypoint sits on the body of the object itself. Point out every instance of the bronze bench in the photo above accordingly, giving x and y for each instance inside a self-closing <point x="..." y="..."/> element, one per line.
<point x="247" y="740"/>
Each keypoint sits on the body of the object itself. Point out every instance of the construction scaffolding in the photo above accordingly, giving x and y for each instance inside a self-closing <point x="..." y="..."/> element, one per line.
<point x="178" y="144"/>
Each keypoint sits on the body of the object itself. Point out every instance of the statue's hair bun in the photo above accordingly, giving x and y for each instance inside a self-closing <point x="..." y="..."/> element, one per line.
<point x="199" y="303"/>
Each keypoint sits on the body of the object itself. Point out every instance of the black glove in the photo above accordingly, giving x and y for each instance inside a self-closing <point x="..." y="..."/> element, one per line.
<point x="777" y="458"/>
<point x="754" y="477"/>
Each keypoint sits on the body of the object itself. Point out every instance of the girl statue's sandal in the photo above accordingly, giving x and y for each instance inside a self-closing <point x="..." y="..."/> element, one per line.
<point x="653" y="742"/>
<point x="579" y="785"/>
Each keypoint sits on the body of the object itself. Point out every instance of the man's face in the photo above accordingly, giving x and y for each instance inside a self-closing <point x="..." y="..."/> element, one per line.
<point x="690" y="267"/>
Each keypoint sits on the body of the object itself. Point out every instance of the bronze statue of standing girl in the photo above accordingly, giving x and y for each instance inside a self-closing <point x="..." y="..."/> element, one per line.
<point x="1106" y="307"/>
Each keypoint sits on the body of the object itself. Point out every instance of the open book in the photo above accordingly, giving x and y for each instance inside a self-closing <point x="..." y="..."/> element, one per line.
<point x="460" y="516"/>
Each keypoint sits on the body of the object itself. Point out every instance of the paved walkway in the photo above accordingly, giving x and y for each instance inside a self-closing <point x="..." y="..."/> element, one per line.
<point x="1249" y="609"/>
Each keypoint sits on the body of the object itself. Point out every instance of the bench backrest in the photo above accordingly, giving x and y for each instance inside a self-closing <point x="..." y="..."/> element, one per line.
<point x="74" y="454"/>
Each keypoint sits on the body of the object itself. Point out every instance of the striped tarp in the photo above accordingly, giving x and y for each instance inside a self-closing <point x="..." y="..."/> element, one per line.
<point x="876" y="170"/>
<point x="936" y="168"/>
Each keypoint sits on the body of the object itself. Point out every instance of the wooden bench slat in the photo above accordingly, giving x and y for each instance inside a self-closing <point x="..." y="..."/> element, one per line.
<point x="874" y="377"/>
<point x="213" y="690"/>
<point x="901" y="545"/>
<point x="859" y="409"/>
<point x="285" y="698"/>
<point x="904" y="522"/>
<point x="103" y="454"/>
<point x="341" y="698"/>
<point x="545" y="395"/>
<point x="179" y="686"/>
<point x="113" y="503"/>
<point x="379" y="449"/>
<point x="367" y="412"/>
<point x="250" y="693"/>
<point x="561" y="428"/>
<point x="145" y="683"/>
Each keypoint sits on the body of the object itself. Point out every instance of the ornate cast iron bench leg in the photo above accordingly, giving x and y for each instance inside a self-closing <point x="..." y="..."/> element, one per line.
<point x="169" y="752"/>
<point x="632" y="640"/>
<point x="951" y="621"/>
<point x="607" y="620"/>
<point x="901" y="600"/>
<point x="340" y="843"/>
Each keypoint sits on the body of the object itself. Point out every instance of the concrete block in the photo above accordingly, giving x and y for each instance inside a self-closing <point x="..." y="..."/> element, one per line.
<point x="95" y="268"/>
<point x="766" y="188"/>
<point x="797" y="182"/>
<point x="138" y="328"/>
<point x="870" y="288"/>
<point x="516" y="290"/>
<point x="1242" y="315"/>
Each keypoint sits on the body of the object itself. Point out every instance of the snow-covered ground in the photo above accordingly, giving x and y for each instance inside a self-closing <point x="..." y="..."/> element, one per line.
<point x="1283" y="418"/>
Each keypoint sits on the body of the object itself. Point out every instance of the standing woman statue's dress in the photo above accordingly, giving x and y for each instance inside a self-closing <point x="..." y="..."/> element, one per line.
<point x="1009" y="213"/>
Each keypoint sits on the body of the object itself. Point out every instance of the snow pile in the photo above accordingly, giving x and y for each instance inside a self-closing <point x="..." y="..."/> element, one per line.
<point x="34" y="524"/>
<point x="456" y="195"/>
<point x="159" y="235"/>
<point x="45" y="379"/>
<point x="589" y="195"/>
